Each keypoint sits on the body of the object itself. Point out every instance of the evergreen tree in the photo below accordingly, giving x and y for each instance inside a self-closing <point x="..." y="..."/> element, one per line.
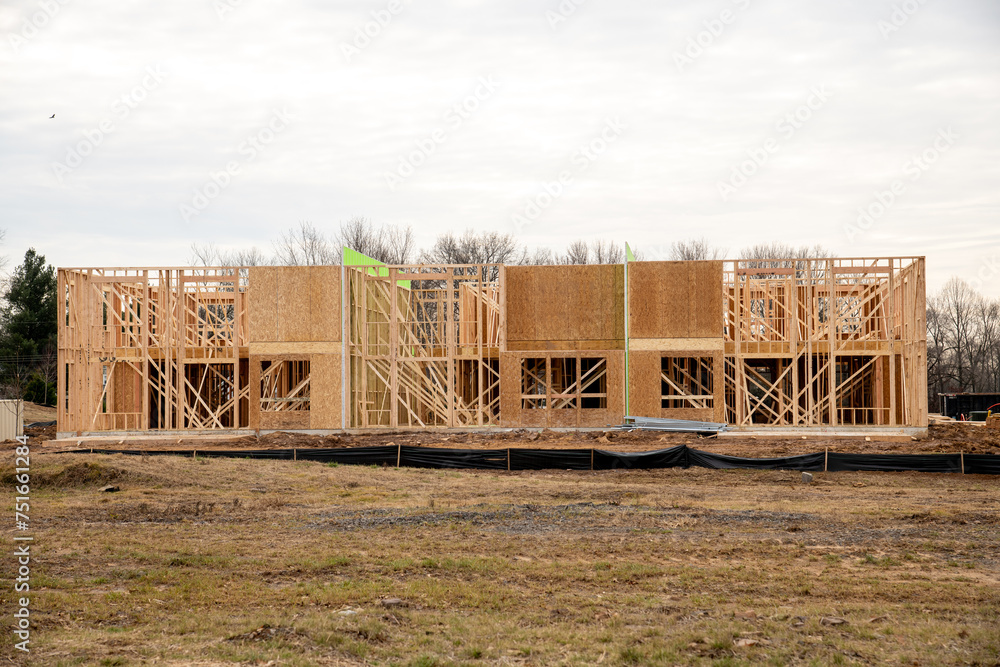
<point x="28" y="319"/>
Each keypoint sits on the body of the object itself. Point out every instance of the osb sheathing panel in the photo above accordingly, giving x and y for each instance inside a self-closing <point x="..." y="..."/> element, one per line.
<point x="565" y="303"/>
<point x="693" y="414"/>
<point x="324" y="391"/>
<point x="294" y="304"/>
<point x="262" y="303"/>
<point x="616" y="388"/>
<point x="705" y="299"/>
<point x="294" y="317"/>
<point x="644" y="383"/>
<point x="510" y="388"/>
<point x="563" y="418"/>
<point x="284" y="420"/>
<point x="659" y="300"/>
<point x="253" y="385"/>
<point x="324" y="303"/>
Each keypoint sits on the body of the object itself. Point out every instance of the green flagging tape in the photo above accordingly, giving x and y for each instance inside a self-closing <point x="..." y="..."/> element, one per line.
<point x="354" y="258"/>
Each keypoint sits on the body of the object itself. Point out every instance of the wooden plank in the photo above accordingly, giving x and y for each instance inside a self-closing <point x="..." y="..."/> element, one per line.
<point x="557" y="345"/>
<point x="677" y="344"/>
<point x="294" y="347"/>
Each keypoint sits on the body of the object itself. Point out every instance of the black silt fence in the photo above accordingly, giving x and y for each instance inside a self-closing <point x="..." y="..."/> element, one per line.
<point x="681" y="456"/>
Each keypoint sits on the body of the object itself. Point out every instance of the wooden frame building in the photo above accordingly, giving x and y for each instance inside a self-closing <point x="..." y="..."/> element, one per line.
<point x="756" y="344"/>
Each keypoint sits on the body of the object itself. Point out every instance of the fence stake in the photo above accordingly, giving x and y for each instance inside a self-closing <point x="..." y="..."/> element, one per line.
<point x="826" y="458"/>
<point x="961" y="457"/>
<point x="194" y="453"/>
<point x="399" y="453"/>
<point x="591" y="458"/>
<point x="508" y="459"/>
<point x="295" y="455"/>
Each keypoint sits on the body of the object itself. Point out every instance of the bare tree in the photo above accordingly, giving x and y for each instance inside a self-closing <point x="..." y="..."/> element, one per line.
<point x="204" y="255"/>
<point x="247" y="257"/>
<point x="388" y="244"/>
<point x="937" y="358"/>
<point x="593" y="252"/>
<point x="577" y="252"/>
<point x="541" y="257"/>
<point x="694" y="250"/>
<point x="606" y="252"/>
<point x="305" y="246"/>
<point x="472" y="248"/>
<point x="209" y="254"/>
<point x="957" y="302"/>
<point x="778" y="250"/>
<point x="963" y="341"/>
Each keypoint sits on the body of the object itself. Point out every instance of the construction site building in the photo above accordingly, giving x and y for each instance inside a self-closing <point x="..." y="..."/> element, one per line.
<point x="778" y="343"/>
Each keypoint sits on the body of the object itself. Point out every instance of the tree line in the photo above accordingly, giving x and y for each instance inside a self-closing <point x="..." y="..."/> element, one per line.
<point x="963" y="342"/>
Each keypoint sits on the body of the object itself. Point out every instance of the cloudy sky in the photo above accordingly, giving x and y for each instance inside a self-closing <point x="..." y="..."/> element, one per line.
<point x="869" y="127"/>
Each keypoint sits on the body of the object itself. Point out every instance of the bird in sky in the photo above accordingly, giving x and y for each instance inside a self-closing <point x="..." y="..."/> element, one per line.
<point x="52" y="116"/>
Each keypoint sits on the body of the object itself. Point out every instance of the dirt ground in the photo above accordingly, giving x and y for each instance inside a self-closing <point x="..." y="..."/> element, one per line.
<point x="274" y="563"/>
<point x="947" y="438"/>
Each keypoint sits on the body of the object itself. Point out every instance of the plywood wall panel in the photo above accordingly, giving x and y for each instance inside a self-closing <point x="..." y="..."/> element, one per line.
<point x="659" y="303"/>
<point x="324" y="391"/>
<point x="563" y="418"/>
<point x="644" y="383"/>
<point x="324" y="303"/>
<point x="693" y="414"/>
<point x="284" y="420"/>
<point x="510" y="389"/>
<point x="705" y="299"/>
<point x="294" y="315"/>
<point x="253" y="384"/>
<point x="262" y="303"/>
<point x="565" y="303"/>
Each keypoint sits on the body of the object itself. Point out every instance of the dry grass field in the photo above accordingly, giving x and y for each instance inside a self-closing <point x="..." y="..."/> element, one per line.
<point x="219" y="562"/>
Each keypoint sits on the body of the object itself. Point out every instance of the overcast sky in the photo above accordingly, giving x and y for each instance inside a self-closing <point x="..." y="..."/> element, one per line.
<point x="869" y="127"/>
